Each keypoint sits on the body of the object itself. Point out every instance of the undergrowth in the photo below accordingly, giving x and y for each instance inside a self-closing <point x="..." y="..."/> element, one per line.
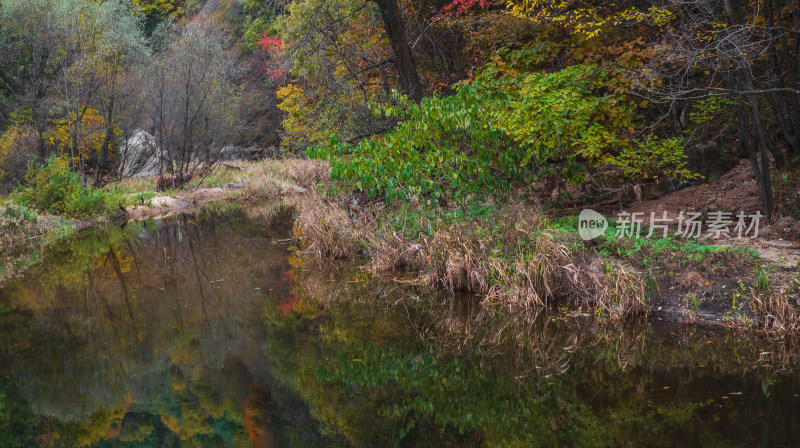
<point x="510" y="255"/>
<point x="55" y="188"/>
<point x="513" y="257"/>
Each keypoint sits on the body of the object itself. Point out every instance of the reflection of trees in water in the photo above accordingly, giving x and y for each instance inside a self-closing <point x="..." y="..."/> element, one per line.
<point x="110" y="324"/>
<point x="382" y="364"/>
<point x="155" y="334"/>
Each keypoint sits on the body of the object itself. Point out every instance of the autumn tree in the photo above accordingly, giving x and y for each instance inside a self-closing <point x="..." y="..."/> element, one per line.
<point x="68" y="58"/>
<point x="28" y="54"/>
<point x="743" y="56"/>
<point x="191" y="98"/>
<point x="340" y="66"/>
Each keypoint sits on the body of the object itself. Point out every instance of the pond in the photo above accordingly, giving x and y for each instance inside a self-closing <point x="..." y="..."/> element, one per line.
<point x="210" y="329"/>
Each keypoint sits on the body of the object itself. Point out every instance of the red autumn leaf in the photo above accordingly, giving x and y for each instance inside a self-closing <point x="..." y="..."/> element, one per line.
<point x="271" y="44"/>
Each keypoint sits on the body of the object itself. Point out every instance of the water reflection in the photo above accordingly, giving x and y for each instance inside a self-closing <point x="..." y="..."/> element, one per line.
<point x="204" y="330"/>
<point x="389" y="366"/>
<point x="150" y="335"/>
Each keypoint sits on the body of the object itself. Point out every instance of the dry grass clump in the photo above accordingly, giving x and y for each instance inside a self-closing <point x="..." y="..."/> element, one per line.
<point x="622" y="294"/>
<point x="255" y="179"/>
<point x="773" y="309"/>
<point x="328" y="229"/>
<point x="518" y="263"/>
<point x="262" y="186"/>
<point x="515" y="262"/>
<point x="534" y="275"/>
<point x="306" y="173"/>
<point x="512" y="259"/>
<point x="279" y="177"/>
<point x="133" y="185"/>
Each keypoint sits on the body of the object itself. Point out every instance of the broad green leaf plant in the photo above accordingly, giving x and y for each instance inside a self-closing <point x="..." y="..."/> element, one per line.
<point x="497" y="135"/>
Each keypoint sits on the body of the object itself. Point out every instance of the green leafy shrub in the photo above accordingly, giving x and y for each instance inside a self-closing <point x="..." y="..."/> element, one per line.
<point x="650" y="158"/>
<point x="503" y="130"/>
<point x="55" y="188"/>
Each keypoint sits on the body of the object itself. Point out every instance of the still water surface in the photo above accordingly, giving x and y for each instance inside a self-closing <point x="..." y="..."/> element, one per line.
<point x="208" y="330"/>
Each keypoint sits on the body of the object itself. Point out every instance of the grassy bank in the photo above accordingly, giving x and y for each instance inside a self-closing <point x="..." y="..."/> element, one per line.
<point x="245" y="180"/>
<point x="55" y="203"/>
<point x="511" y="256"/>
<point x="514" y="256"/>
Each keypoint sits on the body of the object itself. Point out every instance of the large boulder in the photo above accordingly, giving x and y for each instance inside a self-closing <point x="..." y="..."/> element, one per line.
<point x="138" y="155"/>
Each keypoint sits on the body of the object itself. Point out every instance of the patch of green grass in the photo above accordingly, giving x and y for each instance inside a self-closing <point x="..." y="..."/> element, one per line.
<point x="763" y="283"/>
<point x="16" y="215"/>
<point x="133" y="185"/>
<point x="134" y="199"/>
<point x="566" y="224"/>
<point x="691" y="301"/>
<point x="633" y="247"/>
<point x="417" y="222"/>
<point x="219" y="178"/>
<point x="16" y="223"/>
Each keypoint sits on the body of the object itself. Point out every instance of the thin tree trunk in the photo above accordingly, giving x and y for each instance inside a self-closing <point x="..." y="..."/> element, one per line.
<point x="761" y="173"/>
<point x="106" y="145"/>
<point x="404" y="61"/>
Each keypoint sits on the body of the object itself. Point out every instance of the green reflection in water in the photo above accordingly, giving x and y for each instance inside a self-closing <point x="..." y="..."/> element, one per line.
<point x="411" y="371"/>
<point x="203" y="330"/>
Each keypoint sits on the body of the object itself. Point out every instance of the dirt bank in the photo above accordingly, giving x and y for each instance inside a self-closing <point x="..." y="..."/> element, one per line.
<point x="735" y="192"/>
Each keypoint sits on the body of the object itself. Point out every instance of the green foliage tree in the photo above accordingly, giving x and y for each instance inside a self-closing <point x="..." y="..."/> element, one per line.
<point x="500" y="132"/>
<point x="157" y="11"/>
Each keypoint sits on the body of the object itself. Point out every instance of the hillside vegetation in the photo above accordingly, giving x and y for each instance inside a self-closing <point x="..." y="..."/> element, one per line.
<point x="466" y="132"/>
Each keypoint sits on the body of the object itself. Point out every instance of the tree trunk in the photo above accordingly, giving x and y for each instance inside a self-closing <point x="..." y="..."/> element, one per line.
<point x="105" y="147"/>
<point x="395" y="28"/>
<point x="761" y="175"/>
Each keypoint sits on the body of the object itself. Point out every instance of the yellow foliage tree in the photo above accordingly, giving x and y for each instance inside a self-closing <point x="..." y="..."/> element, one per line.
<point x="17" y="145"/>
<point x="89" y="135"/>
<point x="297" y="129"/>
<point x="17" y="136"/>
<point x="157" y="10"/>
<point x="602" y="33"/>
